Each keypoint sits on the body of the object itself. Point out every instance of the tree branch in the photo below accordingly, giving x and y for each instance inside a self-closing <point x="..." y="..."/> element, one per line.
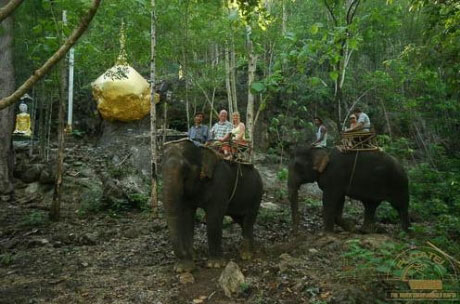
<point x="331" y="12"/>
<point x="352" y="11"/>
<point x="9" y="8"/>
<point x="57" y="56"/>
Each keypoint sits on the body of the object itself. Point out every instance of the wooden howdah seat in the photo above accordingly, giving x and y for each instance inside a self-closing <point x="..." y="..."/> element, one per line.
<point x="234" y="151"/>
<point x="358" y="141"/>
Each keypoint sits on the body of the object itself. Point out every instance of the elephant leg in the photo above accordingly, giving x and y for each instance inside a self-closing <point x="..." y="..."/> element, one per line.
<point x="346" y="225"/>
<point x="247" y="247"/>
<point x="402" y="206"/>
<point x="181" y="228"/>
<point x="214" y="231"/>
<point x="293" y="193"/>
<point x="369" y="216"/>
<point x="332" y="204"/>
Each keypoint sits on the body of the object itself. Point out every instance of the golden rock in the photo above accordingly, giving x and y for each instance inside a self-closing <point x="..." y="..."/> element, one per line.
<point x="122" y="94"/>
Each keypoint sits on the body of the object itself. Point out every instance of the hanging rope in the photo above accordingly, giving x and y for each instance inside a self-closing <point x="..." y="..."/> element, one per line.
<point x="352" y="172"/>
<point x="238" y="172"/>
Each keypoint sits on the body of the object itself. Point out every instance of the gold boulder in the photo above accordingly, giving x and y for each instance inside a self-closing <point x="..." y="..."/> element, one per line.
<point x="122" y="94"/>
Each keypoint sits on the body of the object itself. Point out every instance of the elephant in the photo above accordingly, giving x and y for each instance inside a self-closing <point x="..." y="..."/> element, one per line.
<point x="198" y="177"/>
<point x="368" y="176"/>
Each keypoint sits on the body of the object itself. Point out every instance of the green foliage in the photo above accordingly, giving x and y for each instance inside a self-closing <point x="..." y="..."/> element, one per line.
<point x="366" y="261"/>
<point x="399" y="147"/>
<point x="139" y="201"/>
<point x="7" y="259"/>
<point x="282" y="175"/>
<point x="245" y="287"/>
<point x="36" y="218"/>
<point x="435" y="198"/>
<point x="267" y="216"/>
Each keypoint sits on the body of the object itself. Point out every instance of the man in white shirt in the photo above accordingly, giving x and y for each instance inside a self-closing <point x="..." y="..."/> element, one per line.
<point x="222" y="127"/>
<point x="364" y="123"/>
<point x="321" y="134"/>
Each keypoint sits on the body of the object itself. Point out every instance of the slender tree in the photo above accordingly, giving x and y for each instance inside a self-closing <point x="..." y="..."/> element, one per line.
<point x="6" y="115"/>
<point x="252" y="64"/>
<point x="55" y="210"/>
<point x="153" y="111"/>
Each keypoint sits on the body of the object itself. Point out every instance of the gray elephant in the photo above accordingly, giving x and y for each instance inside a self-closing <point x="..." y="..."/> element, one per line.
<point x="371" y="177"/>
<point x="197" y="177"/>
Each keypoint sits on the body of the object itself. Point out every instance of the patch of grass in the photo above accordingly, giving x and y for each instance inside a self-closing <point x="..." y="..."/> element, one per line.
<point x="245" y="287"/>
<point x="267" y="216"/>
<point x="312" y="202"/>
<point x="90" y="202"/>
<point x="200" y="215"/>
<point x="139" y="200"/>
<point x="36" y="218"/>
<point x="7" y="259"/>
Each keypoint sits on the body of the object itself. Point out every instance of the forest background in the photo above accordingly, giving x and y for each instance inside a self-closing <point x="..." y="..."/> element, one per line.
<point x="397" y="60"/>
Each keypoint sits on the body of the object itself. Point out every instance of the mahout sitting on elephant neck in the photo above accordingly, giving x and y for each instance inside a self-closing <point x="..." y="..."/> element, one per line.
<point x="197" y="177"/>
<point x="371" y="177"/>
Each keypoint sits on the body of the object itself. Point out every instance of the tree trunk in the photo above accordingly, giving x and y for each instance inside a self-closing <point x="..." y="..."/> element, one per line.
<point x="6" y="115"/>
<point x="233" y="74"/>
<point x="252" y="64"/>
<point x="284" y="19"/>
<point x="153" y="112"/>
<point x="165" y="120"/>
<point x="227" y="81"/>
<point x="55" y="210"/>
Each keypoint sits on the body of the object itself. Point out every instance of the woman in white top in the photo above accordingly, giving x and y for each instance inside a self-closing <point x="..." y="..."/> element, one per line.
<point x="239" y="129"/>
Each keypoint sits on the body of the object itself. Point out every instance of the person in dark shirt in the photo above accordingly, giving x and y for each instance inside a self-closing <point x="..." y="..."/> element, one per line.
<point x="199" y="133"/>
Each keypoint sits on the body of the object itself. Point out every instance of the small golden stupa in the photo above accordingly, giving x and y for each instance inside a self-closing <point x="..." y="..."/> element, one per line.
<point x="121" y="92"/>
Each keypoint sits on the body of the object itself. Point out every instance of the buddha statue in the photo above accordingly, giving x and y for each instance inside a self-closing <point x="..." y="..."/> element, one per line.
<point x="23" y="123"/>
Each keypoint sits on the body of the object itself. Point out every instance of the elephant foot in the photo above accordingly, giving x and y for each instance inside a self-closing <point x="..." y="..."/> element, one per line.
<point x="347" y="225"/>
<point x="328" y="230"/>
<point x="184" y="266"/>
<point x="215" y="263"/>
<point x="368" y="228"/>
<point x="246" y="254"/>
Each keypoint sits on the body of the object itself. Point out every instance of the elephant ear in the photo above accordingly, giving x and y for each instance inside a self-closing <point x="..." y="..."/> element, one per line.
<point x="209" y="161"/>
<point x="320" y="161"/>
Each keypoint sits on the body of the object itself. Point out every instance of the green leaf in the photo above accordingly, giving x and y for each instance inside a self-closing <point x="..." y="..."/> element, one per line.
<point x="314" y="29"/>
<point x="334" y="75"/>
<point x="257" y="87"/>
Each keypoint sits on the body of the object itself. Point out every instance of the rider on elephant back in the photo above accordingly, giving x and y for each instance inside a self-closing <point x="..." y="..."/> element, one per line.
<point x="321" y="134"/>
<point x="220" y="132"/>
<point x="229" y="136"/>
<point x="199" y="133"/>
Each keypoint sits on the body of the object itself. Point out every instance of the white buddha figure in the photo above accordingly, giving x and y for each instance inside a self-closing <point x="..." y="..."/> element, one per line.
<point x="23" y="122"/>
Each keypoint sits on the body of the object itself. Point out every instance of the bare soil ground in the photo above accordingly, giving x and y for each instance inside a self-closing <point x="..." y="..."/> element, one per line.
<point x="127" y="258"/>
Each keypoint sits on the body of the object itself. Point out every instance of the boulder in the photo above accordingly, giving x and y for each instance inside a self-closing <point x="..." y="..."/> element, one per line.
<point x="231" y="279"/>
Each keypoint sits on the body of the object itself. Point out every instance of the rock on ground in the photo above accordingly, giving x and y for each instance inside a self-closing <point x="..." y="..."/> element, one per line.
<point x="231" y="279"/>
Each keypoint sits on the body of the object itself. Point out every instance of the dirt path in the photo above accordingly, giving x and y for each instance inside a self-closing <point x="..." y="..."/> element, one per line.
<point x="128" y="259"/>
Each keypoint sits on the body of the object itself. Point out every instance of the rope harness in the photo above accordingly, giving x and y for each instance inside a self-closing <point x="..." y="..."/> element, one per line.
<point x="352" y="172"/>
<point x="238" y="172"/>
